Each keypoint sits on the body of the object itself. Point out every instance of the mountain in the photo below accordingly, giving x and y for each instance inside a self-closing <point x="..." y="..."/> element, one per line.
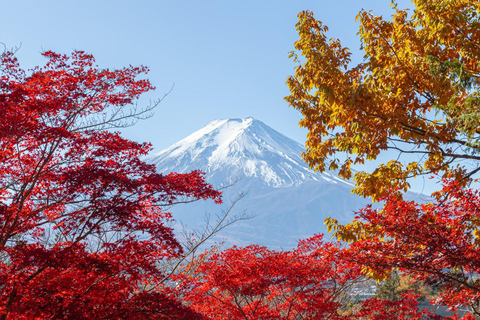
<point x="231" y="148"/>
<point x="289" y="201"/>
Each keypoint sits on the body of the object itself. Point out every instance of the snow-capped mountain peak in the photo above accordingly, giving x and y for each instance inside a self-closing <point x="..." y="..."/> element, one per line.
<point x="288" y="200"/>
<point x="240" y="148"/>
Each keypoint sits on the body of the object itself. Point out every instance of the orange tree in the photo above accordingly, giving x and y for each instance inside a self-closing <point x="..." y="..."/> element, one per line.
<point x="416" y="93"/>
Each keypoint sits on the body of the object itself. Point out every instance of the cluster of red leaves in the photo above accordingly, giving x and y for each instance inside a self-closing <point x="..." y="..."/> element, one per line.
<point x="436" y="243"/>
<point x="311" y="282"/>
<point x="257" y="283"/>
<point x="82" y="232"/>
<point x="403" y="309"/>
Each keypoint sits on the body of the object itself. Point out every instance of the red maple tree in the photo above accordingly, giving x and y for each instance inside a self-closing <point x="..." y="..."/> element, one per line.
<point x="436" y="243"/>
<point x="313" y="281"/>
<point x="82" y="230"/>
<point x="257" y="283"/>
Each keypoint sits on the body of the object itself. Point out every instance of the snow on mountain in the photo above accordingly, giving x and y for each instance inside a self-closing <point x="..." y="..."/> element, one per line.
<point x="289" y="201"/>
<point x="234" y="148"/>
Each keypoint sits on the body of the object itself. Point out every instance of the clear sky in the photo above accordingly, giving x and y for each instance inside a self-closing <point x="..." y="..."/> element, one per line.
<point x="227" y="59"/>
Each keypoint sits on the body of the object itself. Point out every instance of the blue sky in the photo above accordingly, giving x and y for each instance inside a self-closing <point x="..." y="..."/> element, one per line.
<point x="227" y="59"/>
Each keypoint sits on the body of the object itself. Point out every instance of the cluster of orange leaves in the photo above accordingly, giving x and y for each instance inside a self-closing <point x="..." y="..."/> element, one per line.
<point x="414" y="93"/>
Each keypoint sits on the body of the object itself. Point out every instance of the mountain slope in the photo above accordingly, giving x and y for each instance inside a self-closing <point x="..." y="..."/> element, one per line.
<point x="288" y="199"/>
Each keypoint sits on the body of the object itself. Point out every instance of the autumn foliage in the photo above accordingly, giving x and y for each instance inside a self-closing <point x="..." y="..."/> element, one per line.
<point x="82" y="230"/>
<point x="416" y="93"/>
<point x="84" y="233"/>
<point x="314" y="281"/>
<point x="256" y="283"/>
<point x="435" y="243"/>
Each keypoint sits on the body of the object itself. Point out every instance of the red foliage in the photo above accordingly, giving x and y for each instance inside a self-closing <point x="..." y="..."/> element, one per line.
<point x="437" y="243"/>
<point x="406" y="308"/>
<point x="82" y="234"/>
<point x="311" y="282"/>
<point x="257" y="283"/>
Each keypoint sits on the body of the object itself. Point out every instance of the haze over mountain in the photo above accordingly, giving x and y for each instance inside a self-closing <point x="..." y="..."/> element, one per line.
<point x="288" y="199"/>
